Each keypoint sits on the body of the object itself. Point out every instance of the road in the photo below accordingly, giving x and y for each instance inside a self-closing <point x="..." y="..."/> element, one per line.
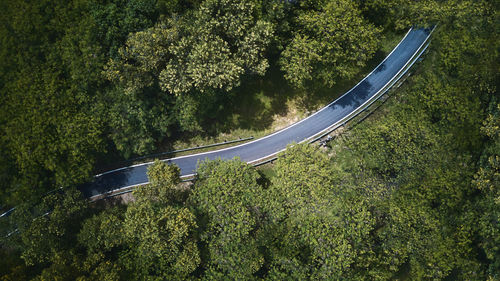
<point x="336" y="112"/>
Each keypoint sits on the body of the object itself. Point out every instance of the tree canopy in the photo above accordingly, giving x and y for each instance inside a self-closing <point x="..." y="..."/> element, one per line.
<point x="332" y="42"/>
<point x="412" y="192"/>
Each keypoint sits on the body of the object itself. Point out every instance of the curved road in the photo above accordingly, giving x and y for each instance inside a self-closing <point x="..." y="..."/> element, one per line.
<point x="382" y="77"/>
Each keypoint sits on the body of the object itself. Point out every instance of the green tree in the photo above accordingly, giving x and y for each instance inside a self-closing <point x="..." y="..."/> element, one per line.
<point x="51" y="129"/>
<point x="140" y="114"/>
<point x="321" y="223"/>
<point x="53" y="230"/>
<point x="102" y="235"/>
<point x="144" y="56"/>
<point x="115" y="19"/>
<point x="487" y="179"/>
<point x="162" y="237"/>
<point x="137" y="121"/>
<point x="163" y="184"/>
<point x="102" y="232"/>
<point x="226" y="200"/>
<point x="219" y="49"/>
<point x="163" y="241"/>
<point x="199" y="53"/>
<point x="45" y="126"/>
<point x="46" y="235"/>
<point x="332" y="42"/>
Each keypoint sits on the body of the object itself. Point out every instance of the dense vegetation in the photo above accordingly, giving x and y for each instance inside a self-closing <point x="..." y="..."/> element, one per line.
<point x="412" y="192"/>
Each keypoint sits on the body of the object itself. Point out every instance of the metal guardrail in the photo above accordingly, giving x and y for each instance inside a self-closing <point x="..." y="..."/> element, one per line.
<point x="8" y="212"/>
<point x="190" y="149"/>
<point x="381" y="92"/>
<point x="340" y="123"/>
<point x="421" y="49"/>
<point x="125" y="164"/>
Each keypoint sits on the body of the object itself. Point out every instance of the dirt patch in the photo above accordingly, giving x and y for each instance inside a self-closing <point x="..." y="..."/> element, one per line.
<point x="126" y="198"/>
<point x="292" y="115"/>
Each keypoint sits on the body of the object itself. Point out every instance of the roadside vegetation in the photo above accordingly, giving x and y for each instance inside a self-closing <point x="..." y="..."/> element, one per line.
<point x="411" y="193"/>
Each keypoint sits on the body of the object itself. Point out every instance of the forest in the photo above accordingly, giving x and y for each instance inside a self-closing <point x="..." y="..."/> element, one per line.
<point x="410" y="193"/>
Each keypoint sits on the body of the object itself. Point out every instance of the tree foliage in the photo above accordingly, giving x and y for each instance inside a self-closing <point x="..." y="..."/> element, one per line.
<point x="411" y="192"/>
<point x="322" y="223"/>
<point x="227" y="198"/>
<point x="324" y="48"/>
<point x="162" y="240"/>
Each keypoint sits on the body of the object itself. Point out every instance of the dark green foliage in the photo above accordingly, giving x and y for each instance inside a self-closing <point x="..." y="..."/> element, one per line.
<point x="487" y="179"/>
<point x="153" y="237"/>
<point x="162" y="241"/>
<point x="46" y="129"/>
<point x="412" y="193"/>
<point x="58" y="112"/>
<point x="324" y="48"/>
<point x="136" y="123"/>
<point x="185" y="61"/>
<point x="227" y="199"/>
<point x="317" y="217"/>
<point x="52" y="231"/>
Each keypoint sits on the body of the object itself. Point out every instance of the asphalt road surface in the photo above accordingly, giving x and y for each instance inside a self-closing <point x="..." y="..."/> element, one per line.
<point x="301" y="131"/>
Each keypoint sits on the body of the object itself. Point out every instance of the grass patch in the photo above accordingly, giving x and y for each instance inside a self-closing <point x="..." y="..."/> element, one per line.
<point x="267" y="171"/>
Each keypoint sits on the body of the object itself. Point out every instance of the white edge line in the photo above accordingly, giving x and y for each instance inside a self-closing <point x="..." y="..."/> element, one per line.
<point x="271" y="155"/>
<point x="117" y="190"/>
<point x="294" y="124"/>
<point x="279" y="131"/>
<point x="129" y="186"/>
<point x="372" y="98"/>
